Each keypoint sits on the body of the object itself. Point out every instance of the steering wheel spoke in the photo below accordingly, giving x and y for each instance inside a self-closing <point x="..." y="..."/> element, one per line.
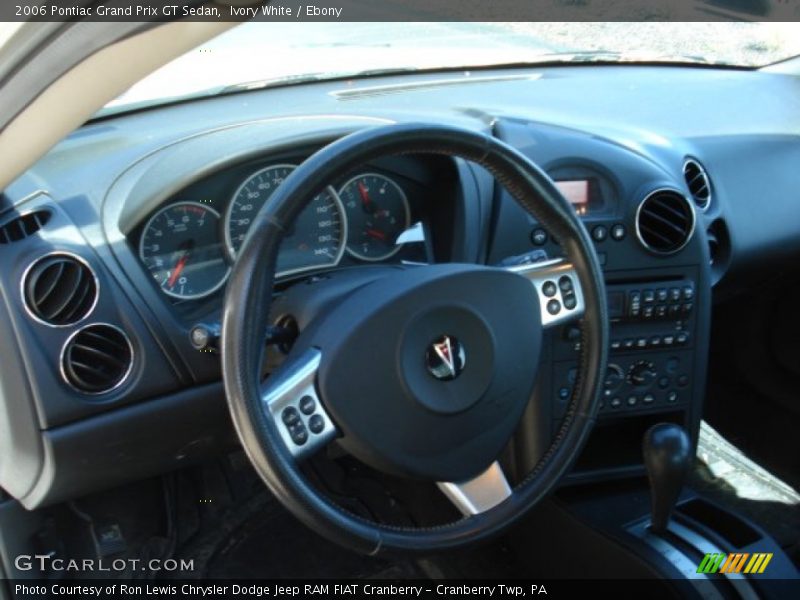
<point x="290" y="398"/>
<point x="480" y="493"/>
<point x="556" y="283"/>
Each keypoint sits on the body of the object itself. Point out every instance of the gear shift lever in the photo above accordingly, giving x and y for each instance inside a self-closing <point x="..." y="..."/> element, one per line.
<point x="667" y="457"/>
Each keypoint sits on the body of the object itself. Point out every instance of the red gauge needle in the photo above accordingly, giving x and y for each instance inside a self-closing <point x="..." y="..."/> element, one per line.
<point x="374" y="233"/>
<point x="178" y="270"/>
<point x="362" y="190"/>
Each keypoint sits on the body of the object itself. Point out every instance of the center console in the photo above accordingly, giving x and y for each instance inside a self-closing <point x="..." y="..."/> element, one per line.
<point x="642" y="222"/>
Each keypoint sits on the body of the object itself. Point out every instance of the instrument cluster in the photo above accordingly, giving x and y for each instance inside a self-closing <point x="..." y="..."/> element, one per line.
<point x="189" y="244"/>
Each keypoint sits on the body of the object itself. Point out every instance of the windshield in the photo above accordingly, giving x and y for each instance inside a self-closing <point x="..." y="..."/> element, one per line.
<point x="264" y="54"/>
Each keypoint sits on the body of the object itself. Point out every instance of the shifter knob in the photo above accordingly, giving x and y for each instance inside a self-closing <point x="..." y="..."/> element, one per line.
<point x="667" y="457"/>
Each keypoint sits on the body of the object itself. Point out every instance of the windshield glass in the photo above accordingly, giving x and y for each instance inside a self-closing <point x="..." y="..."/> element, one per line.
<point x="276" y="53"/>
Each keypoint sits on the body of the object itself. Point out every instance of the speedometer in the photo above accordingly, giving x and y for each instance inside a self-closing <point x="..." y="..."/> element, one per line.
<point x="316" y="239"/>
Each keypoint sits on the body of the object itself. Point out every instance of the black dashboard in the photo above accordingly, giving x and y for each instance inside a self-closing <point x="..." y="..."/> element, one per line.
<point x="116" y="246"/>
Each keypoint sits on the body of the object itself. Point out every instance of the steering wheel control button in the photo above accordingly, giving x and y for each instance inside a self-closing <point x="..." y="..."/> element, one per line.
<point x="618" y="232"/>
<point x="549" y="289"/>
<point x="538" y="237"/>
<point x="570" y="302"/>
<point x="290" y="416"/>
<point x="445" y="358"/>
<point x="307" y="405"/>
<point x="565" y="284"/>
<point x="554" y="307"/>
<point x="299" y="433"/>
<point x="600" y="233"/>
<point x="316" y="424"/>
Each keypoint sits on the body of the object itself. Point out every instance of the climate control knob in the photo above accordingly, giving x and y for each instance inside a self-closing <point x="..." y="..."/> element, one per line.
<point x="642" y="373"/>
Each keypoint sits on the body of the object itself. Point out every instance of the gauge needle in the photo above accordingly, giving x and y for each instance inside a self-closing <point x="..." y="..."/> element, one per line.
<point x="178" y="270"/>
<point x="374" y="233"/>
<point x="362" y="190"/>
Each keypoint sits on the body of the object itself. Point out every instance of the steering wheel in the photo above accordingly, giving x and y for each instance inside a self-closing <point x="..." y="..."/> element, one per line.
<point x="421" y="371"/>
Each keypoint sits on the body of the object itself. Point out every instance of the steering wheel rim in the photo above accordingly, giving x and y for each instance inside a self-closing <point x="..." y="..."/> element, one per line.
<point x="245" y="321"/>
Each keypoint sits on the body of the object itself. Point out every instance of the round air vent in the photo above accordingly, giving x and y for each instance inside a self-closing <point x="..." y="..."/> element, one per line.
<point x="665" y="221"/>
<point x="97" y="359"/>
<point x="59" y="289"/>
<point x="698" y="182"/>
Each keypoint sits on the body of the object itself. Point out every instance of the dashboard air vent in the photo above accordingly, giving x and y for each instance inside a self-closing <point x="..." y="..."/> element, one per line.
<point x="698" y="182"/>
<point x="23" y="226"/>
<point x="97" y="359"/>
<point x="59" y="289"/>
<point x="665" y="221"/>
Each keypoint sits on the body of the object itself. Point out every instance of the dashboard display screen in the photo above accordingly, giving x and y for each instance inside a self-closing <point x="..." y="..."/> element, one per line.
<point x="577" y="193"/>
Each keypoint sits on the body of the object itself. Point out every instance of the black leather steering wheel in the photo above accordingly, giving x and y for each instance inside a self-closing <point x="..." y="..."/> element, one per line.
<point x="452" y="350"/>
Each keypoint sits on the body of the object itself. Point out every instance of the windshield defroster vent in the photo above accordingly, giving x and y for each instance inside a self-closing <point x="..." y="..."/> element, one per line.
<point x="23" y="226"/>
<point x="698" y="182"/>
<point x="97" y="359"/>
<point x="665" y="222"/>
<point x="59" y="289"/>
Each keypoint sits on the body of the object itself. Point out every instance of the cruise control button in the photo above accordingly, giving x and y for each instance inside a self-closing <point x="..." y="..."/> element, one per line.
<point x="570" y="301"/>
<point x="539" y="237"/>
<point x="316" y="424"/>
<point x="307" y="405"/>
<point x="549" y="289"/>
<point x="554" y="307"/>
<point x="618" y="232"/>
<point x="290" y="416"/>
<point x="565" y="283"/>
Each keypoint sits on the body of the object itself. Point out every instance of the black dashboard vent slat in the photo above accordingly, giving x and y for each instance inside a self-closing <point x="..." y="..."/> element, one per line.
<point x="60" y="290"/>
<point x="698" y="183"/>
<point x="665" y="221"/>
<point x="23" y="226"/>
<point x="97" y="359"/>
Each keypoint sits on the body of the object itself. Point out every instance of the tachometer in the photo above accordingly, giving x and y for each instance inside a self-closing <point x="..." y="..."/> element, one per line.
<point x="377" y="213"/>
<point x="181" y="247"/>
<point x="317" y="238"/>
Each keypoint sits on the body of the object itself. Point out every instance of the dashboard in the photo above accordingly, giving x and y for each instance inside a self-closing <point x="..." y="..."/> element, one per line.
<point x="116" y="247"/>
<point x="189" y="242"/>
